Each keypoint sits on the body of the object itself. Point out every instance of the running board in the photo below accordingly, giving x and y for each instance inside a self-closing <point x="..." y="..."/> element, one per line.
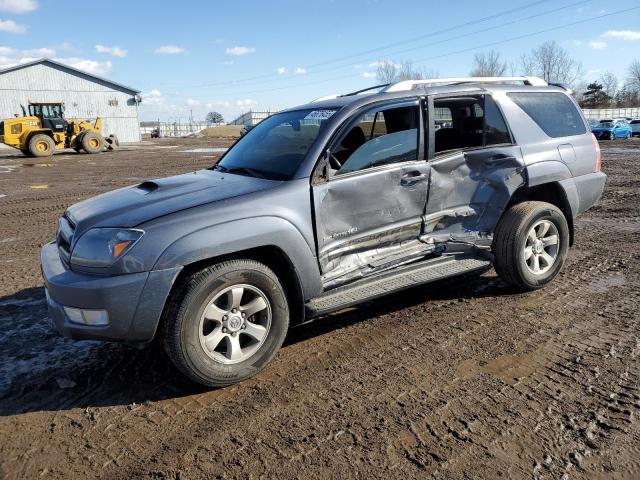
<point x="399" y="279"/>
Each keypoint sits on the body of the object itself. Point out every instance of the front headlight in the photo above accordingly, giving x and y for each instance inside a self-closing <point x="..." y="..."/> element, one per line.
<point x="101" y="247"/>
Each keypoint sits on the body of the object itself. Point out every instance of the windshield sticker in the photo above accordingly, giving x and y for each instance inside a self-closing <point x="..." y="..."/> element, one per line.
<point x="319" y="114"/>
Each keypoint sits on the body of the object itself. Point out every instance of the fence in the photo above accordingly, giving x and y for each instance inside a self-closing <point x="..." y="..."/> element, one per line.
<point x="173" y="129"/>
<point x="598" y="113"/>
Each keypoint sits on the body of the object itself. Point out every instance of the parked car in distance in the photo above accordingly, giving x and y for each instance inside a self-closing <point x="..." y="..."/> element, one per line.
<point x="635" y="127"/>
<point x="324" y="206"/>
<point x="610" y="130"/>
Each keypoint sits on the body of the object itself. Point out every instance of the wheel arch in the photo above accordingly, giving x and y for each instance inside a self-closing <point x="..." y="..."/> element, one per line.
<point x="41" y="131"/>
<point x="553" y="193"/>
<point x="270" y="255"/>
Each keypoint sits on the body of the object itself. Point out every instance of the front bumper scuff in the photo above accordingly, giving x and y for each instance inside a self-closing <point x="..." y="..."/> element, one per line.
<point x="134" y="302"/>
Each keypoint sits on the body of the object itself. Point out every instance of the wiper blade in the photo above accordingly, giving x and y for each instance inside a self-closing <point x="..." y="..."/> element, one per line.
<point x="246" y="170"/>
<point x="221" y="168"/>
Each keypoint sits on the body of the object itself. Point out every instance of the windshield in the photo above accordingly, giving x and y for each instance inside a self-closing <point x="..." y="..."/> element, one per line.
<point x="45" y="110"/>
<point x="606" y="125"/>
<point x="276" y="146"/>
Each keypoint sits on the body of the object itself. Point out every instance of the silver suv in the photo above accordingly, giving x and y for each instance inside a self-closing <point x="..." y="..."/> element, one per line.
<point x="323" y="206"/>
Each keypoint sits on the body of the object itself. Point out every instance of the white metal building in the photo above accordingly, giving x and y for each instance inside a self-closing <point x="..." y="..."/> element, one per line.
<point x="250" y="118"/>
<point x="85" y="96"/>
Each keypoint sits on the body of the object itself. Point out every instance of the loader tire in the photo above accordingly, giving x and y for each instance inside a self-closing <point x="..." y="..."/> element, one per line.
<point x="114" y="140"/>
<point x="41" y="146"/>
<point x="92" y="142"/>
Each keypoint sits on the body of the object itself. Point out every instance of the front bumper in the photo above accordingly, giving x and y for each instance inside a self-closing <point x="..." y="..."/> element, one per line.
<point x="133" y="302"/>
<point x="603" y="134"/>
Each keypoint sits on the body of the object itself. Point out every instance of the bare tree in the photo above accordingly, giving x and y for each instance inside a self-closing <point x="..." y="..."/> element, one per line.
<point x="552" y="63"/>
<point x="390" y="72"/>
<point x="387" y="71"/>
<point x="488" y="65"/>
<point x="633" y="76"/>
<point x="609" y="83"/>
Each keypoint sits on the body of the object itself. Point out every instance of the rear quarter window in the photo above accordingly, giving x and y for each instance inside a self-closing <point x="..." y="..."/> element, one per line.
<point x="554" y="112"/>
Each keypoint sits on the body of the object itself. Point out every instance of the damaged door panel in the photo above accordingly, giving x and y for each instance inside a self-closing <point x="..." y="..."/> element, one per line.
<point x="369" y="222"/>
<point x="468" y="193"/>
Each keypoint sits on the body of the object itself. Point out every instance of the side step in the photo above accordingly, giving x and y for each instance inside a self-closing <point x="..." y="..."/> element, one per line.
<point x="401" y="278"/>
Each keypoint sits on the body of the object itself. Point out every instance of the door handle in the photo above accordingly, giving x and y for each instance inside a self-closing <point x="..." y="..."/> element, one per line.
<point x="412" y="178"/>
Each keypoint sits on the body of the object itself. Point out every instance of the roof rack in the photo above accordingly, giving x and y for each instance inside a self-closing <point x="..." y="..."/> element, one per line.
<point x="357" y="92"/>
<point x="410" y="84"/>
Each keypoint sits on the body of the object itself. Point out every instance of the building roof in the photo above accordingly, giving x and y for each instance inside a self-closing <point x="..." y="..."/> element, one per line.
<point x="62" y="66"/>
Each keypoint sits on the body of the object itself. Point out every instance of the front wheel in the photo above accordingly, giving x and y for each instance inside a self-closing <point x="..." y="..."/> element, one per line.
<point x="226" y="323"/>
<point x="530" y="244"/>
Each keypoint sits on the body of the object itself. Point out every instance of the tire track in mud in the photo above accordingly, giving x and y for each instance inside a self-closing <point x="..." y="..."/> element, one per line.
<point x="445" y="431"/>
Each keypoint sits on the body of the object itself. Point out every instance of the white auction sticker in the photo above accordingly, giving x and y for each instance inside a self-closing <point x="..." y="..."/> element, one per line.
<point x="319" y="114"/>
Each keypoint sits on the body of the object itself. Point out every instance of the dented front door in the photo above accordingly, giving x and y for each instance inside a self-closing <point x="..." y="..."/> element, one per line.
<point x="370" y="221"/>
<point x="468" y="193"/>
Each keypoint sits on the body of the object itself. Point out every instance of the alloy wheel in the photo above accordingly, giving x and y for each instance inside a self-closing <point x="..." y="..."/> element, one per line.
<point x="235" y="324"/>
<point x="541" y="247"/>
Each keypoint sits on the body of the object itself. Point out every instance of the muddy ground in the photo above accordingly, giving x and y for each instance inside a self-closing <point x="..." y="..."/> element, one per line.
<point x="449" y="380"/>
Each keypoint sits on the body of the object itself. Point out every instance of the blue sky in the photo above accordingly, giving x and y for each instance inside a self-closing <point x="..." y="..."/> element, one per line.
<point x="232" y="56"/>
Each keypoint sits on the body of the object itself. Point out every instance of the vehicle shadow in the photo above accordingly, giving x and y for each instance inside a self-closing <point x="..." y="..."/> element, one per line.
<point x="40" y="370"/>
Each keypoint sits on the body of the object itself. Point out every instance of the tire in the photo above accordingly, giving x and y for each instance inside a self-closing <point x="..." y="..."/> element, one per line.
<point x="41" y="145"/>
<point x="26" y="152"/>
<point x="516" y="255"/>
<point x="188" y="328"/>
<point x="92" y="142"/>
<point x="114" y="140"/>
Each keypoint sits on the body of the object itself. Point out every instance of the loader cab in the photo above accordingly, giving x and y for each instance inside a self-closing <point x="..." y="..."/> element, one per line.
<point x="51" y="115"/>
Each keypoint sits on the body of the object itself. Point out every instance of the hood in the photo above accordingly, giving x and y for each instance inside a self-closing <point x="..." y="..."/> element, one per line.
<point x="602" y="129"/>
<point x="131" y="206"/>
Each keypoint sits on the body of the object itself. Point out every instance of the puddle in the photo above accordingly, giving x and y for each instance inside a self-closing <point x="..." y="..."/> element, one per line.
<point x="7" y="168"/>
<point x="37" y="165"/>
<point x="205" y="150"/>
<point x="620" y="150"/>
<point x="603" y="285"/>
<point x="2" y="195"/>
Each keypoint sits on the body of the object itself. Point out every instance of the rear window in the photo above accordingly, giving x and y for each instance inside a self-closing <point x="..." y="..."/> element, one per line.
<point x="554" y="113"/>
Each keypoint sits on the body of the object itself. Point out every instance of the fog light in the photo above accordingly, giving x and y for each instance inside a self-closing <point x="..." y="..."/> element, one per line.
<point x="87" y="317"/>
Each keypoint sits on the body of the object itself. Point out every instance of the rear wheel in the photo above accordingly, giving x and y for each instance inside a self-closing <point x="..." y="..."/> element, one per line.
<point x="530" y="244"/>
<point x="92" y="142"/>
<point x="227" y="323"/>
<point x="41" y="145"/>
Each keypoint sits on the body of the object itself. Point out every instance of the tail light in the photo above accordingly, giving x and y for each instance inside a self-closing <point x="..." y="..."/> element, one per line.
<point x="596" y="145"/>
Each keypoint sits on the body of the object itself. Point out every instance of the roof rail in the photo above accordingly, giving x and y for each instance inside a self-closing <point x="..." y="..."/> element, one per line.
<point x="410" y="84"/>
<point x="357" y="92"/>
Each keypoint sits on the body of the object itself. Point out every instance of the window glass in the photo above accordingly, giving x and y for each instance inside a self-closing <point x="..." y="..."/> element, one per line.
<point x="554" y="112"/>
<point x="468" y="122"/>
<point x="379" y="138"/>
<point x="460" y="120"/>
<point x="495" y="129"/>
<point x="276" y="146"/>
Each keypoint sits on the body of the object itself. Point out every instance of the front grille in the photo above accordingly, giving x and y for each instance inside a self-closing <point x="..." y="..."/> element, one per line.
<point x="64" y="238"/>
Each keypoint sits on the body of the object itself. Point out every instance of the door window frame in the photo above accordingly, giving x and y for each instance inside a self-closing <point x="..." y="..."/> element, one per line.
<point x="317" y="176"/>
<point x="429" y="137"/>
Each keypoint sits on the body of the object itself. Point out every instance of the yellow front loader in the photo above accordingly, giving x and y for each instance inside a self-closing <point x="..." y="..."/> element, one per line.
<point x="45" y="129"/>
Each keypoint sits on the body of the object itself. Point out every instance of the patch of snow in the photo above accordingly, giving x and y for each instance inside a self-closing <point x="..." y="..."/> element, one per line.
<point x="205" y="150"/>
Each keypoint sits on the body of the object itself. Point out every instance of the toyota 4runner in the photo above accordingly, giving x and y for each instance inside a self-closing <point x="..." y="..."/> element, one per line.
<point x="321" y="207"/>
